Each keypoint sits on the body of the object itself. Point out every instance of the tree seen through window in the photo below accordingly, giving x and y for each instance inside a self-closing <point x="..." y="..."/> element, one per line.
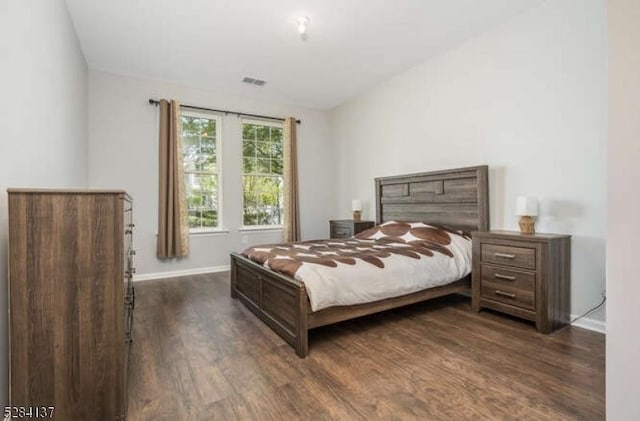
<point x="199" y="143"/>
<point x="262" y="174"/>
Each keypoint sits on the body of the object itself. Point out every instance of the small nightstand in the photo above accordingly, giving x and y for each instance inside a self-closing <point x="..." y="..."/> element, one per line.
<point x="345" y="228"/>
<point x="525" y="275"/>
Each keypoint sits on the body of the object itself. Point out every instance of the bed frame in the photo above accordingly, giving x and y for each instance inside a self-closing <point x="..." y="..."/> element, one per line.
<point x="457" y="198"/>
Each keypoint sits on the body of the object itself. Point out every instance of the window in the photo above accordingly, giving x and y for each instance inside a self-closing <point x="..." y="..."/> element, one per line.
<point x="201" y="145"/>
<point x="262" y="173"/>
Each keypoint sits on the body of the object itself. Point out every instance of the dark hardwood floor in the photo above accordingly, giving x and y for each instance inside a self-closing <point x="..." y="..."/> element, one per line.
<point x="194" y="356"/>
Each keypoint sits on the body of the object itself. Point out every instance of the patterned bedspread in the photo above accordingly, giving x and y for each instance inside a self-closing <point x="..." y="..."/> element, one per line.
<point x="389" y="260"/>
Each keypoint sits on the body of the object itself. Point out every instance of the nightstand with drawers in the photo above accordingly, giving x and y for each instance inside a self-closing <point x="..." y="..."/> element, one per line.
<point x="524" y="275"/>
<point x="346" y="228"/>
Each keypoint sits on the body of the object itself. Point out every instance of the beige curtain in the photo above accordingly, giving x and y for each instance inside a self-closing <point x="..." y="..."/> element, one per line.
<point x="173" y="230"/>
<point x="291" y="216"/>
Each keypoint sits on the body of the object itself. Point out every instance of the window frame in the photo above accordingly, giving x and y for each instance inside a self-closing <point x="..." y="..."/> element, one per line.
<point x="269" y="123"/>
<point x="218" y="119"/>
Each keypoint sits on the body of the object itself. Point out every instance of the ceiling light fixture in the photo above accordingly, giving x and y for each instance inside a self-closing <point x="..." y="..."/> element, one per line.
<point x="303" y="22"/>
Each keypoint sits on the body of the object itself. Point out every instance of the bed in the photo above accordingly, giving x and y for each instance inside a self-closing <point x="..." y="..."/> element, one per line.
<point x="457" y="199"/>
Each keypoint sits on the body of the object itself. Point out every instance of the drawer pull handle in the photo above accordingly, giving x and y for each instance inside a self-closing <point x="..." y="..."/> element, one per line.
<point x="505" y="256"/>
<point x="505" y="294"/>
<point x="505" y="277"/>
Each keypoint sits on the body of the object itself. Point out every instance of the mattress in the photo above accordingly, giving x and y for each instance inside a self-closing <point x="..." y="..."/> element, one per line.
<point x="389" y="260"/>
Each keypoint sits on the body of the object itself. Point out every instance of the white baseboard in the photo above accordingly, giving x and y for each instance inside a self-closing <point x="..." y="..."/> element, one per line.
<point x="590" y="324"/>
<point x="177" y="273"/>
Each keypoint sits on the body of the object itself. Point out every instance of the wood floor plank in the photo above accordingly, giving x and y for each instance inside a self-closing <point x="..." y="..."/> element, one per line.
<point x="200" y="355"/>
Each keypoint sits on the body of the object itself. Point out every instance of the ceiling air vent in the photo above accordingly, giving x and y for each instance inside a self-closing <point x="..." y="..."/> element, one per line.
<point x="253" y="81"/>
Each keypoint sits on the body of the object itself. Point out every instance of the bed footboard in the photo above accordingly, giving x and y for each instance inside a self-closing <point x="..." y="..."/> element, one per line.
<point x="278" y="301"/>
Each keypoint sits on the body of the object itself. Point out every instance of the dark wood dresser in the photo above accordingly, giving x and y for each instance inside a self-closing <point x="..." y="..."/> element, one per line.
<point x="345" y="228"/>
<point x="525" y="275"/>
<point x="70" y="302"/>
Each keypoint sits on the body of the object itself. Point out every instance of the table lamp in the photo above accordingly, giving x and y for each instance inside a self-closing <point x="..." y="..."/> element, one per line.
<point x="526" y="209"/>
<point x="356" y="207"/>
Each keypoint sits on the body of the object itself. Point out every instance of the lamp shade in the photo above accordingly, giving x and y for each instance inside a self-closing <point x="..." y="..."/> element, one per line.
<point x="526" y="206"/>
<point x="356" y="205"/>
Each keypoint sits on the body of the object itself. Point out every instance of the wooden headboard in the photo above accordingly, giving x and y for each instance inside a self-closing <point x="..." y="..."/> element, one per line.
<point x="457" y="198"/>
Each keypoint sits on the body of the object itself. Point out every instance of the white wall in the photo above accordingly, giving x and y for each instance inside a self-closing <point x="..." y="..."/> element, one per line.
<point x="123" y="153"/>
<point x="623" y="153"/>
<point x="526" y="98"/>
<point x="43" y="118"/>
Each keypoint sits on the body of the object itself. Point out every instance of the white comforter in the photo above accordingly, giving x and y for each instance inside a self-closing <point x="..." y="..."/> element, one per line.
<point x="347" y="272"/>
<point x="364" y="283"/>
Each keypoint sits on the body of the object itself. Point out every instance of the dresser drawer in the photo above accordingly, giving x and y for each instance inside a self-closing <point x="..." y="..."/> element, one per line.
<point x="517" y="297"/>
<point x="509" y="255"/>
<point x="509" y="278"/>
<point x="341" y="231"/>
<point x="346" y="228"/>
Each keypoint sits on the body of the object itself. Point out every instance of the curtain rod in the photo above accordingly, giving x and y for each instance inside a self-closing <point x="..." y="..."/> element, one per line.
<point x="193" y="107"/>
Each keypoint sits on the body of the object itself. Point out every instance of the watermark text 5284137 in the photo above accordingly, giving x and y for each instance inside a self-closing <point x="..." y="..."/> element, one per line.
<point x="28" y="412"/>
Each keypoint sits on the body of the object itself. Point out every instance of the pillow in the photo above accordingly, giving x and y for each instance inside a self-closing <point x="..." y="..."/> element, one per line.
<point x="407" y="232"/>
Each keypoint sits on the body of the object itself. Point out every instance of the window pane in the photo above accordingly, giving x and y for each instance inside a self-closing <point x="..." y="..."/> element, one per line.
<point x="209" y="188"/>
<point x="208" y="145"/>
<point x="250" y="191"/>
<point x="276" y="134"/>
<point x="269" y="184"/>
<point x="208" y="128"/>
<point x="190" y="163"/>
<point x="250" y="217"/>
<point x="206" y="163"/>
<point x="201" y="193"/>
<point x="248" y="148"/>
<point x="194" y="219"/>
<point x="274" y="216"/>
<point x="194" y="198"/>
<point x="263" y="166"/>
<point x="249" y="165"/>
<point x="250" y="199"/>
<point x="276" y="150"/>
<point x="195" y="125"/>
<point x="249" y="182"/>
<point x="276" y="167"/>
<point x="188" y="124"/>
<point x="269" y="198"/>
<point x="190" y="146"/>
<point x="262" y="133"/>
<point x="192" y="182"/>
<point x="263" y="217"/>
<point x="279" y="216"/>
<point x="209" y="219"/>
<point x="248" y="131"/>
<point x="190" y="142"/>
<point x="263" y="150"/>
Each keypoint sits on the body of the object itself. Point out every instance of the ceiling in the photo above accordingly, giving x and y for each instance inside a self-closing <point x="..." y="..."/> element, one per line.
<point x="213" y="44"/>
